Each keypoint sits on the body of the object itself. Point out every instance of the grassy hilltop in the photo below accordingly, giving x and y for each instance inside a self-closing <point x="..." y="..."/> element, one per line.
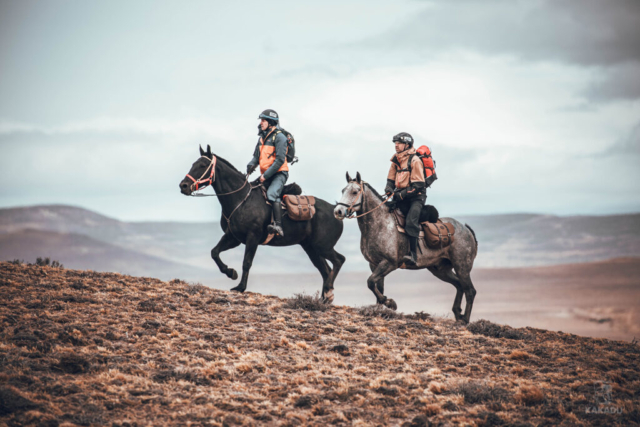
<point x="86" y="348"/>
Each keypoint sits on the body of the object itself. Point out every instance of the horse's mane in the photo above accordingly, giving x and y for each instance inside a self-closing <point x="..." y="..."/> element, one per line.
<point x="373" y="190"/>
<point x="228" y="163"/>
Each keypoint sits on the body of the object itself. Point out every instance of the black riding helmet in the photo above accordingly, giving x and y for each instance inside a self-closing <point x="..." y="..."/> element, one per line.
<point x="404" y="138"/>
<point x="270" y="116"/>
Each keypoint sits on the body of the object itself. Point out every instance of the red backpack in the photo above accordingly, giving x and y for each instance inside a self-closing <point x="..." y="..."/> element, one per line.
<point x="424" y="153"/>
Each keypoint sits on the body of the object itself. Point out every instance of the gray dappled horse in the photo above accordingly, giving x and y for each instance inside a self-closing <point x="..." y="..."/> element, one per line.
<point x="383" y="246"/>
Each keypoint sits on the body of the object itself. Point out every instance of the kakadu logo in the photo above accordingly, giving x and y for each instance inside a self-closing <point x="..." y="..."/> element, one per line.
<point x="602" y="397"/>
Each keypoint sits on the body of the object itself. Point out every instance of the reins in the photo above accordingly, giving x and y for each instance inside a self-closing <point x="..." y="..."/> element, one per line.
<point x="351" y="212"/>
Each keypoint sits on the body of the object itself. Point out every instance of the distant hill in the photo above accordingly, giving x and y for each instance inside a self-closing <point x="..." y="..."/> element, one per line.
<point x="521" y="240"/>
<point x="82" y="252"/>
<point x="516" y="240"/>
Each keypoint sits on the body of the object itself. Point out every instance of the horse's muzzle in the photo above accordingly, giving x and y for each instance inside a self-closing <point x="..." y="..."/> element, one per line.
<point x="340" y="212"/>
<point x="185" y="187"/>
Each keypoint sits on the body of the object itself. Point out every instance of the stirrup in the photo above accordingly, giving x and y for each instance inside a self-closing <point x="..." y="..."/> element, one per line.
<point x="410" y="259"/>
<point x="275" y="229"/>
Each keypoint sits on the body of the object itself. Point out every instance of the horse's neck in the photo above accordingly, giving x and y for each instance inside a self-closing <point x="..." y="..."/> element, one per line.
<point x="375" y="217"/>
<point x="227" y="181"/>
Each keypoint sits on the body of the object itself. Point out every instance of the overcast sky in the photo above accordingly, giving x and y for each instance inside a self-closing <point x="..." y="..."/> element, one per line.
<point x="528" y="106"/>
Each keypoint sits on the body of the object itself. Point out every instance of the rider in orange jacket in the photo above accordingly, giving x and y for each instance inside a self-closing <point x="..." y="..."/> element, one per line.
<point x="271" y="155"/>
<point x="407" y="184"/>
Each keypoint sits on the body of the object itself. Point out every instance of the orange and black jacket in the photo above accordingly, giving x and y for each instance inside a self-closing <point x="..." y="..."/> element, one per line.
<point x="404" y="176"/>
<point x="271" y="153"/>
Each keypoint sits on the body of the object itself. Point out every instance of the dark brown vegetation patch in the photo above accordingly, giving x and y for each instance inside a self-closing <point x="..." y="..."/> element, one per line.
<point x="489" y="329"/>
<point x="306" y="302"/>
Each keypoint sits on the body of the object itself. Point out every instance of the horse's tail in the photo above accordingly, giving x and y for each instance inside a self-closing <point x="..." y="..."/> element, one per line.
<point x="473" y="233"/>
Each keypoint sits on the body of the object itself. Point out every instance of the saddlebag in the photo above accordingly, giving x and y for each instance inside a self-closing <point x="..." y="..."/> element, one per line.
<point x="438" y="235"/>
<point x="300" y="208"/>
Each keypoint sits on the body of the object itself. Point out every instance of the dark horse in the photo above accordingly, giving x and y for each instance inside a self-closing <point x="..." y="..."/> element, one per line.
<point x="245" y="216"/>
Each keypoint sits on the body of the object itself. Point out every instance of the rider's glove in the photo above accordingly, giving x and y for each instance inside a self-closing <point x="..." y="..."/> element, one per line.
<point x="250" y="169"/>
<point x="400" y="194"/>
<point x="390" y="186"/>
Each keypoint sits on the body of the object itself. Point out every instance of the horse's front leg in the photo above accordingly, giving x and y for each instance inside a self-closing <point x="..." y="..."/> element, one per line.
<point x="379" y="272"/>
<point x="249" y="252"/>
<point x="226" y="242"/>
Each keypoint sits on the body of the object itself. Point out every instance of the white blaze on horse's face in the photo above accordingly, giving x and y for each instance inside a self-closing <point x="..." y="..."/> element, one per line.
<point x="350" y="202"/>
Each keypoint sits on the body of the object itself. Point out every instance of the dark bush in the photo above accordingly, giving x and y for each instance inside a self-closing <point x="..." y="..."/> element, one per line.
<point x="489" y="329"/>
<point x="379" y="310"/>
<point x="196" y="288"/>
<point x="307" y="302"/>
<point x="46" y="262"/>
<point x="481" y="392"/>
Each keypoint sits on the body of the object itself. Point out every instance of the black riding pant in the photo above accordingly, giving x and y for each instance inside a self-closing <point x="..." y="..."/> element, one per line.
<point x="411" y="208"/>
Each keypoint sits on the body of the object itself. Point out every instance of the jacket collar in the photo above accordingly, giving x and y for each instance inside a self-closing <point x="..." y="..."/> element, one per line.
<point x="399" y="158"/>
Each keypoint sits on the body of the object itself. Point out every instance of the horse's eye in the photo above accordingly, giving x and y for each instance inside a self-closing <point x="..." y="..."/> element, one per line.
<point x="354" y="192"/>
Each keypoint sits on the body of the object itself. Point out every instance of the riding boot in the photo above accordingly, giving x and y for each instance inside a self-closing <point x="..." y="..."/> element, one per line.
<point x="412" y="257"/>
<point x="276" y="227"/>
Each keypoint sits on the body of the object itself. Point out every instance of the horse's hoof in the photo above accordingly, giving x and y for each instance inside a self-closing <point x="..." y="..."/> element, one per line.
<point x="238" y="288"/>
<point x="391" y="304"/>
<point x="327" y="298"/>
<point x="232" y="274"/>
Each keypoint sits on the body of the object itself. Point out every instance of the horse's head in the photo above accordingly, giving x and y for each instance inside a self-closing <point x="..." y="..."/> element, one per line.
<point x="351" y="201"/>
<point x="202" y="173"/>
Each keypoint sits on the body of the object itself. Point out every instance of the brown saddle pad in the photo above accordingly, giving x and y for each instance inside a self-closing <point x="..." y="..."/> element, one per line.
<point x="400" y="218"/>
<point x="438" y="235"/>
<point x="300" y="208"/>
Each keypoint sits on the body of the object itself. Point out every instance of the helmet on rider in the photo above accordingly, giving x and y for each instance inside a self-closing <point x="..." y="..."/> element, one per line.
<point x="404" y="138"/>
<point x="270" y="116"/>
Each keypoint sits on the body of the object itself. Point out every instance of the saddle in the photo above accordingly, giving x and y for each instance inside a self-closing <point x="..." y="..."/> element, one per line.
<point x="435" y="233"/>
<point x="427" y="214"/>
<point x="296" y="206"/>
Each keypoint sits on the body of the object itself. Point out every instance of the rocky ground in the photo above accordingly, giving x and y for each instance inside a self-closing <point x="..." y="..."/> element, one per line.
<point x="86" y="348"/>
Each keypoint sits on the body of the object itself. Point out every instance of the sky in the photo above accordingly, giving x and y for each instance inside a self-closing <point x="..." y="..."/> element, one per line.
<point x="527" y="106"/>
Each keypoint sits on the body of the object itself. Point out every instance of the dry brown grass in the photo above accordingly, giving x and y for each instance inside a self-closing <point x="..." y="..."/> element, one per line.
<point x="86" y="348"/>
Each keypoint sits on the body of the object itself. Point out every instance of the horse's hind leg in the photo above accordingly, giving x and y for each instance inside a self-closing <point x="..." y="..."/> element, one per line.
<point x="226" y="242"/>
<point x="469" y="295"/>
<point x="379" y="272"/>
<point x="336" y="259"/>
<point x="446" y="274"/>
<point x="322" y="266"/>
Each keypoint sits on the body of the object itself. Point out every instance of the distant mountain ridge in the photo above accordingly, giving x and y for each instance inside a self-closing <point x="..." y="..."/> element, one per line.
<point x="506" y="240"/>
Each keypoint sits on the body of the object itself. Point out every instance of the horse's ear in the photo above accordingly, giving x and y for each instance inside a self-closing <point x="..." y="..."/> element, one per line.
<point x="201" y="151"/>
<point x="358" y="177"/>
<point x="348" y="178"/>
<point x="208" y="150"/>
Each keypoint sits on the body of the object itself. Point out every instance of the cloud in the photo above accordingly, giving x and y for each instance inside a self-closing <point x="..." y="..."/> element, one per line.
<point x="617" y="83"/>
<point x="627" y="146"/>
<point x="183" y="128"/>
<point x="587" y="32"/>
<point x="604" y="35"/>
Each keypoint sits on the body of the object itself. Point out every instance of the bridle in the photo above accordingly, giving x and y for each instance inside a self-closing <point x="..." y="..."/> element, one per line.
<point x="211" y="180"/>
<point x="351" y="212"/>
<point x="211" y="170"/>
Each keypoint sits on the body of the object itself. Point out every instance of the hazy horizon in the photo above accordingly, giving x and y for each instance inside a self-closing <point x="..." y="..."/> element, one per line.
<point x="217" y="219"/>
<point x="528" y="106"/>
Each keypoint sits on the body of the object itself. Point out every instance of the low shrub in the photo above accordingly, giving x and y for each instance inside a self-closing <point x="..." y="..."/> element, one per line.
<point x="306" y="302"/>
